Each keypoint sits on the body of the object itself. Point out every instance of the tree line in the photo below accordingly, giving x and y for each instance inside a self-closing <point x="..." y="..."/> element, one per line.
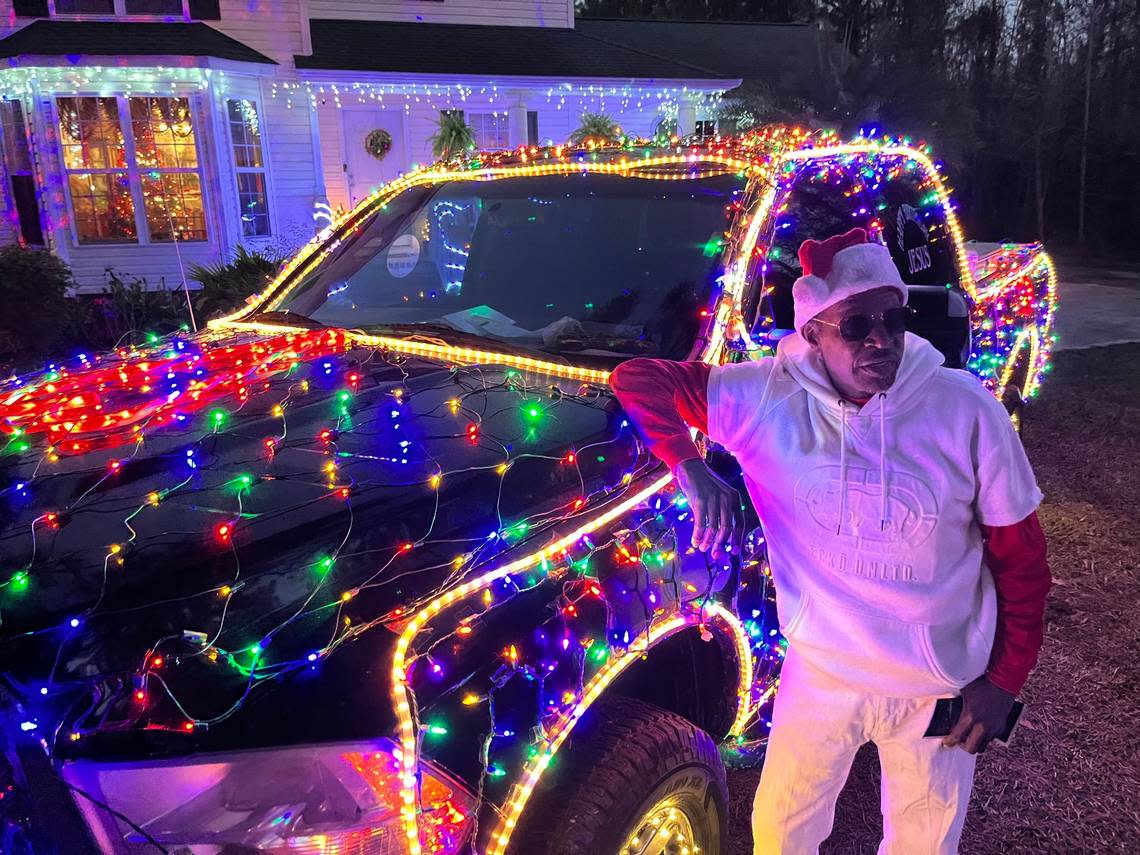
<point x="1034" y="104"/>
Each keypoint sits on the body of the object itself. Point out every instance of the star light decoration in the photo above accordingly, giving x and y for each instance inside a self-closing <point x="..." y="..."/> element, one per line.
<point x="608" y="562"/>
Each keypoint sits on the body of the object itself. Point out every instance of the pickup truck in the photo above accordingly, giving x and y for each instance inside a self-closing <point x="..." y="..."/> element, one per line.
<point x="377" y="565"/>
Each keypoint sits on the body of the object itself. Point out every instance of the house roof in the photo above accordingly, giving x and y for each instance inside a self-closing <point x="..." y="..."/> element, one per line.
<point x="729" y="49"/>
<point x="125" y="38"/>
<point x="396" y="46"/>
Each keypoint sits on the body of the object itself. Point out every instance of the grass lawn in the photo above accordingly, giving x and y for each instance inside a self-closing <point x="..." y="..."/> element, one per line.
<point x="1070" y="782"/>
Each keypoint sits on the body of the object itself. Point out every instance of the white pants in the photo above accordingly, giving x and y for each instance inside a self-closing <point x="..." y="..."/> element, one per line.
<point x="817" y="726"/>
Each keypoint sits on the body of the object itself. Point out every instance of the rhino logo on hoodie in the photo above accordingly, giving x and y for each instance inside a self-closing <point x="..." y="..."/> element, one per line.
<point x="911" y="510"/>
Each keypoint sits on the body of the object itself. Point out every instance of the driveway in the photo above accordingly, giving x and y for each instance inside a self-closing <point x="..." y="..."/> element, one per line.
<point x="1097" y="305"/>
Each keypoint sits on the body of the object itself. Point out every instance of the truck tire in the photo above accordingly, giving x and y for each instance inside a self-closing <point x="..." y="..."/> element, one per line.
<point x="630" y="772"/>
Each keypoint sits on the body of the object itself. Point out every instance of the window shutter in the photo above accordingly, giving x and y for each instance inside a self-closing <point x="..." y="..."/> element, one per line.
<point x="30" y="8"/>
<point x="205" y="10"/>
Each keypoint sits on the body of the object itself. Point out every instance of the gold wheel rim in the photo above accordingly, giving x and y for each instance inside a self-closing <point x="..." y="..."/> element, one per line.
<point x="664" y="829"/>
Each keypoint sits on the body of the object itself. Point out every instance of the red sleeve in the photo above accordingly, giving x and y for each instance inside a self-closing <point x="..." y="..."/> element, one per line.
<point x="1016" y="557"/>
<point x="662" y="398"/>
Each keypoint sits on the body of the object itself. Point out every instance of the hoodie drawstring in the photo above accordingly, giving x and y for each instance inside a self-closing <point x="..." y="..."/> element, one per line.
<point x="882" y="461"/>
<point x="842" y="464"/>
<point x="884" y="516"/>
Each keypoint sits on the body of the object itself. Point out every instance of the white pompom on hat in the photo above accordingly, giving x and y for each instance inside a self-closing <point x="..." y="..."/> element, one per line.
<point x="838" y="268"/>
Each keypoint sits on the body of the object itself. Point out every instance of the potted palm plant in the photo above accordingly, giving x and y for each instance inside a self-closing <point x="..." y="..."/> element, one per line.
<point x="597" y="127"/>
<point x="453" y="136"/>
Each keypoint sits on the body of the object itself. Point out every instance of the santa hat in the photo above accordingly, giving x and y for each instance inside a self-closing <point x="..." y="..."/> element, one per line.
<point x="838" y="268"/>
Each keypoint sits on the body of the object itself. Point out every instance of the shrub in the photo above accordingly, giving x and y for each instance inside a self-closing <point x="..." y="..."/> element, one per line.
<point x="33" y="300"/>
<point x="597" y="127"/>
<point x="225" y="286"/>
<point x="128" y="311"/>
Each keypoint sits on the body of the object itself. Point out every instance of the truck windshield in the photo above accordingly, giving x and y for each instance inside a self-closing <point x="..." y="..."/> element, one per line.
<point x="583" y="264"/>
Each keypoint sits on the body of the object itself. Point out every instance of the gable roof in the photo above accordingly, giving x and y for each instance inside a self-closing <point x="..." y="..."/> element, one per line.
<point x="125" y="38"/>
<point x="730" y="49"/>
<point x="400" y="46"/>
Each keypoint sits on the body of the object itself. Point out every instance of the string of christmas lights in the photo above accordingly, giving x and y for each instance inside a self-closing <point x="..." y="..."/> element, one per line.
<point x="580" y="97"/>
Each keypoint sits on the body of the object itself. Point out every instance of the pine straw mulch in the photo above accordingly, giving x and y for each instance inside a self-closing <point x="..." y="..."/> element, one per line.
<point x="1070" y="782"/>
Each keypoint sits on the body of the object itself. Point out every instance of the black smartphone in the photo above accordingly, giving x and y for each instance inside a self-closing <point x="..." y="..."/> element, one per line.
<point x="947" y="710"/>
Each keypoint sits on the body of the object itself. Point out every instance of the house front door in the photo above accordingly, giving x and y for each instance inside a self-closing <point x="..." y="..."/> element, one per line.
<point x="363" y="171"/>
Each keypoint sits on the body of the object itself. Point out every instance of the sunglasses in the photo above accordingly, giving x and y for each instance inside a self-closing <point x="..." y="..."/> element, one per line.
<point x="858" y="327"/>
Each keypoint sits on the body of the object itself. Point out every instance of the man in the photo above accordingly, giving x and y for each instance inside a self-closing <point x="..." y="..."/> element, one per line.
<point x="899" y="511"/>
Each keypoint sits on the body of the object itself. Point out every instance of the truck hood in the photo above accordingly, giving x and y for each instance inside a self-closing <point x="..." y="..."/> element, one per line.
<point x="225" y="558"/>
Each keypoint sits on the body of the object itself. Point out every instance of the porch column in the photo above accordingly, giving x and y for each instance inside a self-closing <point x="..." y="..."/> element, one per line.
<point x="516" y="120"/>
<point x="686" y="117"/>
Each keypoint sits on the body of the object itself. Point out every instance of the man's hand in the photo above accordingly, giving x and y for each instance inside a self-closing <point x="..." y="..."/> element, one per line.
<point x="717" y="520"/>
<point x="985" y="708"/>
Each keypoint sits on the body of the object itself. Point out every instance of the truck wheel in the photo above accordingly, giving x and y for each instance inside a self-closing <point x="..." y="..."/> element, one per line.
<point x="634" y="780"/>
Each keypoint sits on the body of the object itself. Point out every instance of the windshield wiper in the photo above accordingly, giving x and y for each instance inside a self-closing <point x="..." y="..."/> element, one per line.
<point x="462" y="339"/>
<point x="294" y="318"/>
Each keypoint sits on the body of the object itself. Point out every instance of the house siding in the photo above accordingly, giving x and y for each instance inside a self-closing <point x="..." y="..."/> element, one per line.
<point x="271" y="27"/>
<point x="332" y="155"/>
<point x="294" y="160"/>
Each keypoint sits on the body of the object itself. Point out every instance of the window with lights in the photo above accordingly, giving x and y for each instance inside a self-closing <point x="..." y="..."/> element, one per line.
<point x="491" y="130"/>
<point x="249" y="165"/>
<point x="133" y="173"/>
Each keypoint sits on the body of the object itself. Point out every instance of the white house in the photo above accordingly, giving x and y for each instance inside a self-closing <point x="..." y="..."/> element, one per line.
<point x="148" y="135"/>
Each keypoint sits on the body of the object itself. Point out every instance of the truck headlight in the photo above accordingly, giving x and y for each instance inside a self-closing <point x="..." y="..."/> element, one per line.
<point x="334" y="799"/>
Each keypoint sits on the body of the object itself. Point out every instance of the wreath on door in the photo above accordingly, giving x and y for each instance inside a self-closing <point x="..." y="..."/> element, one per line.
<point x="378" y="143"/>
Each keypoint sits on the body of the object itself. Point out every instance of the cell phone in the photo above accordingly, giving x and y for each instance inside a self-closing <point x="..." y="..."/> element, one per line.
<point x="947" y="710"/>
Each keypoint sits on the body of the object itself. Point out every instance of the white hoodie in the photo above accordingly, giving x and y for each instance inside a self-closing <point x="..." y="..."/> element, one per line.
<point x="885" y="590"/>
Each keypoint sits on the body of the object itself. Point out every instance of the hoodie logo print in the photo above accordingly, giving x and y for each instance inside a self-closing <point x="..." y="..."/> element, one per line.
<point x="864" y="547"/>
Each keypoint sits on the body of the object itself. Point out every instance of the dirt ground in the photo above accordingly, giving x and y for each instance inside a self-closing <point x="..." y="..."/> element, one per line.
<point x="1070" y="782"/>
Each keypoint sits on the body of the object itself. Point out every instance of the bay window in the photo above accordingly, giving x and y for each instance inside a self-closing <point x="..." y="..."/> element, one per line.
<point x="142" y="184"/>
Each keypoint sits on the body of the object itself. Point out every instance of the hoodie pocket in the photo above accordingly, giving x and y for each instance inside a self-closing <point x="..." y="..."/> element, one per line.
<point x="872" y="651"/>
<point x="957" y="652"/>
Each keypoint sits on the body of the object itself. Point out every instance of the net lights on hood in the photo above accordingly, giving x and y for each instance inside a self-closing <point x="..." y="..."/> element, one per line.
<point x="244" y="379"/>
